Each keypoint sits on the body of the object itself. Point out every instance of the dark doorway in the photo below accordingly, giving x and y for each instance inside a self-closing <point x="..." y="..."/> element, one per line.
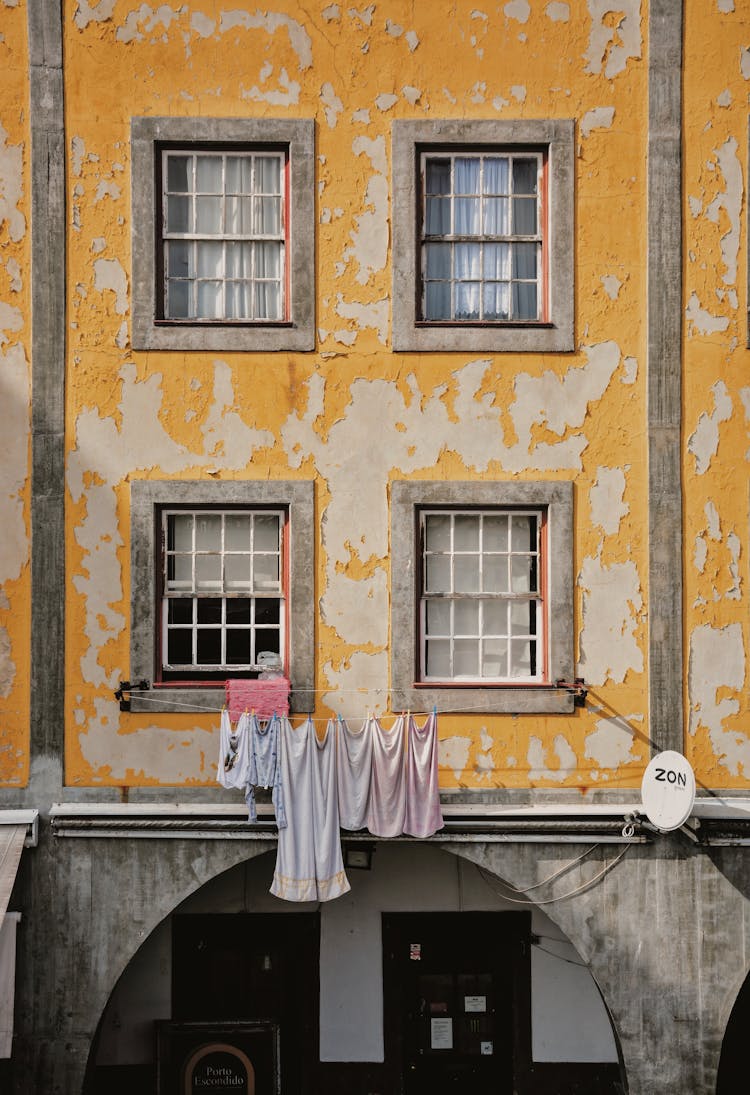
<point x="252" y="967"/>
<point x="457" y="1001"/>
<point x="732" y="1078"/>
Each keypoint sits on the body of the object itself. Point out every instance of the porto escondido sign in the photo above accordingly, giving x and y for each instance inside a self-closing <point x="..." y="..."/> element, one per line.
<point x="668" y="790"/>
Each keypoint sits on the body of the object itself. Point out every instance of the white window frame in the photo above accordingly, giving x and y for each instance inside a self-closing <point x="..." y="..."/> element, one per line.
<point x="295" y="138"/>
<point x="483" y="598"/>
<point x="148" y="500"/>
<point x="409" y="499"/>
<point x="553" y="139"/>
<point x="197" y="589"/>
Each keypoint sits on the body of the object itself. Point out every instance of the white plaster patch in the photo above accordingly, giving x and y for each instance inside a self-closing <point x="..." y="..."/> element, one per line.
<point x="735" y="548"/>
<point x="411" y="94"/>
<point x="86" y="13"/>
<point x="146" y="19"/>
<point x="373" y="315"/>
<point x="558" y="12"/>
<point x="704" y="442"/>
<point x="537" y="760"/>
<point x="518" y="91"/>
<point x="453" y="753"/>
<point x="109" y="276"/>
<point x="610" y="47"/>
<point x="361" y="116"/>
<point x="725" y="6"/>
<point x="611" y="744"/>
<point x="364" y="16"/>
<point x="520" y="10"/>
<point x="696" y="206"/>
<point x="412" y="40"/>
<point x="121" y="338"/>
<point x="730" y="199"/>
<point x="385" y="101"/>
<point x="612" y="603"/>
<point x="717" y="666"/>
<point x="702" y="321"/>
<point x="15" y="396"/>
<point x="14" y="274"/>
<point x="77" y="153"/>
<point x="272" y="21"/>
<point x="725" y="98"/>
<point x="331" y="13"/>
<point x="612" y="286"/>
<point x="287" y="94"/>
<point x="203" y="26"/>
<point x="499" y="103"/>
<point x="370" y="238"/>
<point x="394" y="29"/>
<point x="7" y="665"/>
<point x="11" y="319"/>
<point x="368" y="627"/>
<point x="331" y="104"/>
<point x="11" y="187"/>
<point x="713" y="523"/>
<point x="98" y="244"/>
<point x="478" y="92"/>
<point x="357" y="686"/>
<point x="107" y="188"/>
<point x="700" y="554"/>
<point x="601" y="117"/>
<point x="607" y="506"/>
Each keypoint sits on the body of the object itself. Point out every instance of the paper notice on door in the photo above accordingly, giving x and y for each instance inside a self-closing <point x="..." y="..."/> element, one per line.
<point x="475" y="1003"/>
<point x="441" y="1034"/>
<point x="486" y="1049"/>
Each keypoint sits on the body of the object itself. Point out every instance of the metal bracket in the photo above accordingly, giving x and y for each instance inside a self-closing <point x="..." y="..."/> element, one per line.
<point x="126" y="686"/>
<point x="577" y="689"/>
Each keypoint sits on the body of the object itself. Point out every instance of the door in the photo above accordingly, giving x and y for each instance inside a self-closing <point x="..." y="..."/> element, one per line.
<point x="457" y="1001"/>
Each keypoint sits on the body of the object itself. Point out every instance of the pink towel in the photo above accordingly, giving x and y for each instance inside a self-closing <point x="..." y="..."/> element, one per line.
<point x="423" y="814"/>
<point x="266" y="698"/>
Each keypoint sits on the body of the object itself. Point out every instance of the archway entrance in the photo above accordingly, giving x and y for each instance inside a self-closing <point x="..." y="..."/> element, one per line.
<point x="424" y="972"/>
<point x="732" y="1077"/>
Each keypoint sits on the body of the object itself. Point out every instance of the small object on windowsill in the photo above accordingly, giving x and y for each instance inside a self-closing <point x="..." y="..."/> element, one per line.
<point x="577" y="689"/>
<point x="269" y="663"/>
<point x="265" y="697"/>
<point x="126" y="686"/>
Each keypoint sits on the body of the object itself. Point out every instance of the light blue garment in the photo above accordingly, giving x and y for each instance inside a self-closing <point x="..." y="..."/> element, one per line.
<point x="264" y="767"/>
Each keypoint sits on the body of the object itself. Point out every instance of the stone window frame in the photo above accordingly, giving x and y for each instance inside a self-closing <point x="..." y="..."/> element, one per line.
<point x="409" y="140"/>
<point x="148" y="135"/>
<point x="147" y="499"/>
<point x="407" y="499"/>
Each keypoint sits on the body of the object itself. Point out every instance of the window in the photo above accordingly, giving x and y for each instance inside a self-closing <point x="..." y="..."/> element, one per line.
<point x="481" y="595"/>
<point x="223" y="237"/>
<point x="220" y="587"/>
<point x="483" y="235"/>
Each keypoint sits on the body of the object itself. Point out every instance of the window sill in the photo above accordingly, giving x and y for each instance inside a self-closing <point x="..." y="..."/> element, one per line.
<point x="511" y="337"/>
<point x="245" y="337"/>
<point x="191" y="699"/>
<point x="500" y="699"/>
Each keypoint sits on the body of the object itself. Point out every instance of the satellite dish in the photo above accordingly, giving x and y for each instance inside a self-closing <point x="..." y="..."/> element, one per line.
<point x="668" y="790"/>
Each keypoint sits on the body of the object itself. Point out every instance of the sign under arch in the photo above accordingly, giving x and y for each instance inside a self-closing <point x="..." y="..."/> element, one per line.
<point x="220" y="1068"/>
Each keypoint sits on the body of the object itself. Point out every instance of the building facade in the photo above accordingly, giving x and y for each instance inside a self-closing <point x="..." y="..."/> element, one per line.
<point x="401" y="350"/>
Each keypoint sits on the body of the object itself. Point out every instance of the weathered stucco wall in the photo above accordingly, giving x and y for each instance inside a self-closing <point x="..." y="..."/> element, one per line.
<point x="15" y="318"/>
<point x="717" y="396"/>
<point x="353" y="415"/>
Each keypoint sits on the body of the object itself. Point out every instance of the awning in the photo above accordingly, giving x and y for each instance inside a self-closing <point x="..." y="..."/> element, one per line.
<point x="12" y="838"/>
<point x="17" y="828"/>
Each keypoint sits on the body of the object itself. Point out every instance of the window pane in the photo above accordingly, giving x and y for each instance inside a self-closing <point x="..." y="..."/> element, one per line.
<point x="267" y="300"/>
<point x="466" y="617"/>
<point x="267" y="610"/>
<point x="438" y="658"/>
<point x="466" y="658"/>
<point x="266" y="572"/>
<point x="208" y="532"/>
<point x="495" y="574"/>
<point x="438" y="217"/>
<point x="524" y="176"/>
<point x="209" y="610"/>
<point x="233" y="175"/>
<point x="523" y="533"/>
<point x="208" y="175"/>
<point x="233" y="220"/>
<point x="497" y="261"/>
<point x="237" y="532"/>
<point x="268" y="260"/>
<point x="468" y="259"/>
<point x="238" y="300"/>
<point x="467" y="217"/>
<point x="267" y="216"/>
<point x="178" y="173"/>
<point x="238" y="647"/>
<point x="495" y="658"/>
<point x="180" y="532"/>
<point x="209" y="647"/>
<point x="466" y="533"/>
<point x="208" y="216"/>
<point x="496" y="300"/>
<point x="180" y="572"/>
<point x="524" y="260"/>
<point x="269" y="174"/>
<point x="467" y="299"/>
<point x="208" y="572"/>
<point x="438" y="177"/>
<point x="495" y="532"/>
<point x="238" y="259"/>
<point x="520" y="659"/>
<point x="496" y="217"/>
<point x="178" y="214"/>
<point x="524" y="216"/>
<point x="466" y="573"/>
<point x="178" y="259"/>
<point x="520" y="574"/>
<point x="524" y="300"/>
<point x="178" y="300"/>
<point x="437" y="300"/>
<point x="210" y="300"/>
<point x="266" y="532"/>
<point x="438" y="532"/>
<point x="238" y="610"/>
<point x="438" y="618"/>
<point x="466" y="175"/>
<point x="523" y="618"/>
<point x="438" y="574"/>
<point x="236" y="572"/>
<point x="496" y="175"/>
<point x="179" y="646"/>
<point x="210" y="260"/>
<point x="267" y="640"/>
<point x="494" y="617"/>
<point x="438" y="257"/>
<point x="180" y="610"/>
